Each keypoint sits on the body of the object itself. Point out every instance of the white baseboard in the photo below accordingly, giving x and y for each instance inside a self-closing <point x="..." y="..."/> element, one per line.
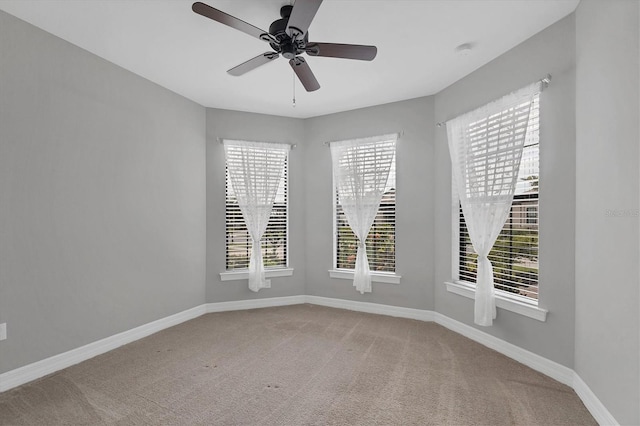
<point x="593" y="404"/>
<point x="372" y="308"/>
<point x="545" y="366"/>
<point x="239" y="305"/>
<point x="58" y="362"/>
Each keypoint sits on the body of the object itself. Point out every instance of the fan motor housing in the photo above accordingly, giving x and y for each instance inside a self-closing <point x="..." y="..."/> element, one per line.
<point x="288" y="49"/>
<point x="279" y="26"/>
<point x="278" y="29"/>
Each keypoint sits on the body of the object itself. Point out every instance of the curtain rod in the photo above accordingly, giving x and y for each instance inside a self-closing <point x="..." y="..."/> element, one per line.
<point x="545" y="82"/>
<point x="400" y="134"/>
<point x="221" y="141"/>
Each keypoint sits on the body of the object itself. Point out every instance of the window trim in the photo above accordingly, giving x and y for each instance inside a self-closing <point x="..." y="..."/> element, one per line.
<point x="379" y="277"/>
<point x="376" y="276"/>
<point x="243" y="274"/>
<point x="504" y="299"/>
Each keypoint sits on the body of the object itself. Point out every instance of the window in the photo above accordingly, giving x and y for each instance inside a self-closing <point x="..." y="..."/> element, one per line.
<point x="515" y="254"/>
<point x="381" y="241"/>
<point x="532" y="215"/>
<point x="275" y="239"/>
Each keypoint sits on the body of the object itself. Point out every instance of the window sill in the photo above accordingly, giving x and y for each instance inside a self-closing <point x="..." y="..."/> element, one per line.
<point x="244" y="274"/>
<point x="379" y="277"/>
<point x="503" y="300"/>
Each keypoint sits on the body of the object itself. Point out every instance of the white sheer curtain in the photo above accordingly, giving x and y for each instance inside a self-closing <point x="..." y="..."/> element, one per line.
<point x="255" y="170"/>
<point x="360" y="171"/>
<point x="486" y="147"/>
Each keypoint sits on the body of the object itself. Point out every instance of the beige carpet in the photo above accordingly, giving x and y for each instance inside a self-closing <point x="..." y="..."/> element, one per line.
<point x="297" y="365"/>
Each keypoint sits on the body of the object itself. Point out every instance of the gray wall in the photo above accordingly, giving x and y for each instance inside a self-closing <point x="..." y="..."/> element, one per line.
<point x="224" y="124"/>
<point x="102" y="197"/>
<point x="607" y="278"/>
<point x="414" y="199"/>
<point x="550" y="51"/>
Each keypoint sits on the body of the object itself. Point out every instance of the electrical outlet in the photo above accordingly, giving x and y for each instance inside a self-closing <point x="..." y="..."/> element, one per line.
<point x="3" y="331"/>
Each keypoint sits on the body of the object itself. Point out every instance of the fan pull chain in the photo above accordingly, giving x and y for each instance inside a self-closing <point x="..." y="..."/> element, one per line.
<point x="294" y="89"/>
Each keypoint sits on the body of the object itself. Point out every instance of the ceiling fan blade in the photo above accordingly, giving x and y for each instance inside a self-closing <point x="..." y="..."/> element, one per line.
<point x="253" y="63"/>
<point x="301" y="16"/>
<point x="306" y="77"/>
<point x="231" y="21"/>
<point x="346" y="51"/>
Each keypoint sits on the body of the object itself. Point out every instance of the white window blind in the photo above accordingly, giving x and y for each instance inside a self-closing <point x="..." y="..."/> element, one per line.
<point x="275" y="239"/>
<point x="381" y="241"/>
<point x="515" y="253"/>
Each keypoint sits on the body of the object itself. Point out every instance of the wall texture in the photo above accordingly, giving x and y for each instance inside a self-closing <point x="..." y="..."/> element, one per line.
<point x="224" y="124"/>
<point x="551" y="51"/>
<point x="102" y="187"/>
<point x="607" y="228"/>
<point x="414" y="199"/>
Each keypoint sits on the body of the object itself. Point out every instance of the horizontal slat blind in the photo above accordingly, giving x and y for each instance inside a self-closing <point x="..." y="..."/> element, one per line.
<point x="275" y="239"/>
<point x="381" y="242"/>
<point x="515" y="254"/>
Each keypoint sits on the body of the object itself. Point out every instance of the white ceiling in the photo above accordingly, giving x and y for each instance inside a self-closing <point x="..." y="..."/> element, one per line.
<point x="165" y="42"/>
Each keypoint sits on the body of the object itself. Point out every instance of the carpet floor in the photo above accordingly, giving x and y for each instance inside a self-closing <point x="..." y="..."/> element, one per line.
<point x="297" y="365"/>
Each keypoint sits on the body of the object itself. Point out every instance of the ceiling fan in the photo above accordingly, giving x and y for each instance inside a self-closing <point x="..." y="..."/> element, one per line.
<point x="289" y="37"/>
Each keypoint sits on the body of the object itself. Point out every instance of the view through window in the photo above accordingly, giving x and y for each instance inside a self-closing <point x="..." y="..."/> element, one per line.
<point x="274" y="241"/>
<point x="381" y="241"/>
<point x="515" y="253"/>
